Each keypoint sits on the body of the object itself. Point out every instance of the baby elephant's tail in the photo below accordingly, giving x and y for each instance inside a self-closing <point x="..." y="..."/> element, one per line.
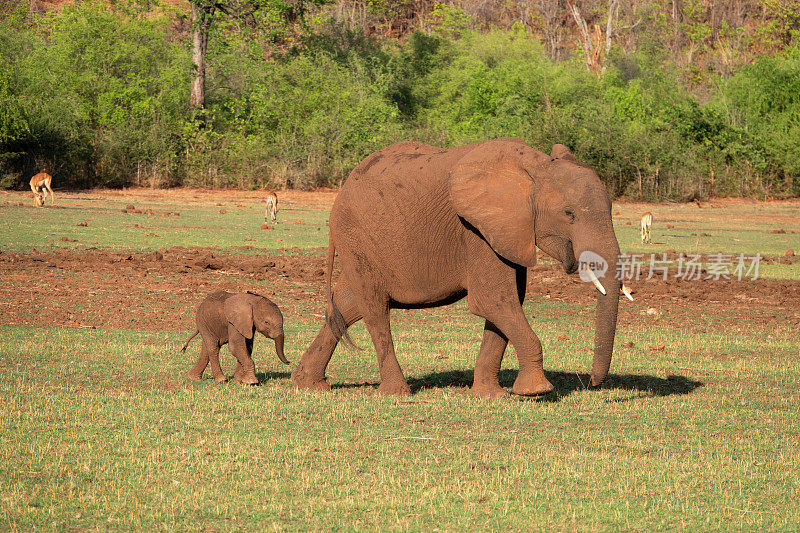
<point x="183" y="350"/>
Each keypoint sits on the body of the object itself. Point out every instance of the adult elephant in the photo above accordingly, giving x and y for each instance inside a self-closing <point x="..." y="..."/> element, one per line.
<point x="421" y="226"/>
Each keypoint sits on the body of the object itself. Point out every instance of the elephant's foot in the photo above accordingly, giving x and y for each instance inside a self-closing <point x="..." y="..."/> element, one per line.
<point x="195" y="376"/>
<point x="302" y="380"/>
<point x="247" y="379"/>
<point x="394" y="388"/>
<point x="488" y="392"/>
<point x="220" y="379"/>
<point x="486" y="385"/>
<point x="532" y="383"/>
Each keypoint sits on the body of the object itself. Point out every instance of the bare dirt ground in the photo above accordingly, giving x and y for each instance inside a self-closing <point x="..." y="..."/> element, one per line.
<point x="159" y="290"/>
<point x="321" y="198"/>
<point x="66" y="288"/>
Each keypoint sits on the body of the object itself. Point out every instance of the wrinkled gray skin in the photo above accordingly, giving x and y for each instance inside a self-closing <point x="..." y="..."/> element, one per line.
<point x="233" y="319"/>
<point x="419" y="226"/>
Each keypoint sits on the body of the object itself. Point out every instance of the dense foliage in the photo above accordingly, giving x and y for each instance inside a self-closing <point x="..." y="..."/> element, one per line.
<point x="99" y="96"/>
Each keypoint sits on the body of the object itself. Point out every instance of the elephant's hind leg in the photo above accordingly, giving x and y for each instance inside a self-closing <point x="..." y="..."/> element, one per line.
<point x="392" y="380"/>
<point x="310" y="371"/>
<point x="487" y="366"/>
<point x="216" y="369"/>
<point x="196" y="372"/>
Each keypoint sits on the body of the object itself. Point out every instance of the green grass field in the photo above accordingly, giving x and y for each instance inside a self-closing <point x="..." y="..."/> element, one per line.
<point x="740" y="227"/>
<point x="99" y="429"/>
<point x="199" y="222"/>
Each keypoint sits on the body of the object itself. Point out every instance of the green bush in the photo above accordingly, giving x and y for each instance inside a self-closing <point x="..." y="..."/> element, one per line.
<point x="502" y="84"/>
<point x="99" y="95"/>
<point x="300" y="121"/>
<point x="102" y="97"/>
<point x="762" y="101"/>
<point x="636" y="125"/>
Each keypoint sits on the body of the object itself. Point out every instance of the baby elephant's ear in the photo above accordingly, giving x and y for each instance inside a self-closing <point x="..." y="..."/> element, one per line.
<point x="240" y="314"/>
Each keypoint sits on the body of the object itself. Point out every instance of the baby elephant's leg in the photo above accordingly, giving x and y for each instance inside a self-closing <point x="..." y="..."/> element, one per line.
<point x="241" y="349"/>
<point x="213" y="355"/>
<point x="196" y="372"/>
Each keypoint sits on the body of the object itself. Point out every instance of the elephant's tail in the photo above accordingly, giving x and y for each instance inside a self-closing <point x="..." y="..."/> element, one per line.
<point x="329" y="272"/>
<point x="196" y="331"/>
<point x="335" y="319"/>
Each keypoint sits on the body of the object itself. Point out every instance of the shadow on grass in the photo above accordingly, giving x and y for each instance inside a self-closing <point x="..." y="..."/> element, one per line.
<point x="267" y="376"/>
<point x="566" y="383"/>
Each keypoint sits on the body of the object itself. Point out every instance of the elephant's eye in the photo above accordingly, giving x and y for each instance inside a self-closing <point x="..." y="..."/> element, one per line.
<point x="570" y="214"/>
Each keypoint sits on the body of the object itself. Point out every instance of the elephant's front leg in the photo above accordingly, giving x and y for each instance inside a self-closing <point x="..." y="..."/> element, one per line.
<point x="531" y="380"/>
<point x="497" y="296"/>
<point x="239" y="373"/>
<point x="241" y="349"/>
<point x="486" y="383"/>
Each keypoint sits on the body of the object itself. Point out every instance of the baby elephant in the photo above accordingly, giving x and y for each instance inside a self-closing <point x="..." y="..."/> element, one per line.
<point x="234" y="318"/>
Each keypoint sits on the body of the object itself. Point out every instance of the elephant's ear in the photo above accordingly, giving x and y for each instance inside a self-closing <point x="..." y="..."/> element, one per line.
<point x="239" y="312"/>
<point x="494" y="193"/>
<point x="560" y="151"/>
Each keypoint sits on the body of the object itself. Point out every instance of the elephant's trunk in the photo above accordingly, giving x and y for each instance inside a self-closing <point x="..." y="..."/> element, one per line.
<point x="607" y="305"/>
<point x="605" y="327"/>
<point x="279" y="340"/>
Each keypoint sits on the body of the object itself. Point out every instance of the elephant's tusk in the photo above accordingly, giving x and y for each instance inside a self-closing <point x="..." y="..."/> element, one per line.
<point x="596" y="281"/>
<point x="627" y="292"/>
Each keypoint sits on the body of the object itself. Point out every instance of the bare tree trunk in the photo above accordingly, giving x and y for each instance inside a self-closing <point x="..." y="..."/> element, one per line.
<point x="677" y="16"/>
<point x="34" y="8"/>
<point x="588" y="46"/>
<point x="550" y="12"/>
<point x="638" y="180"/>
<point x="201" y="13"/>
<point x="613" y="6"/>
<point x="612" y="11"/>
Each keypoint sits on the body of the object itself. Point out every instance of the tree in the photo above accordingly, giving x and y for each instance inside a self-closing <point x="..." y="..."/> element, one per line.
<point x="202" y="13"/>
<point x="593" y="54"/>
<point x="554" y="27"/>
<point x="247" y="11"/>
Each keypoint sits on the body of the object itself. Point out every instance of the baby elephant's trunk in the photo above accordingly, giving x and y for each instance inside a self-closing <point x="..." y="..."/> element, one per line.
<point x="279" y="350"/>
